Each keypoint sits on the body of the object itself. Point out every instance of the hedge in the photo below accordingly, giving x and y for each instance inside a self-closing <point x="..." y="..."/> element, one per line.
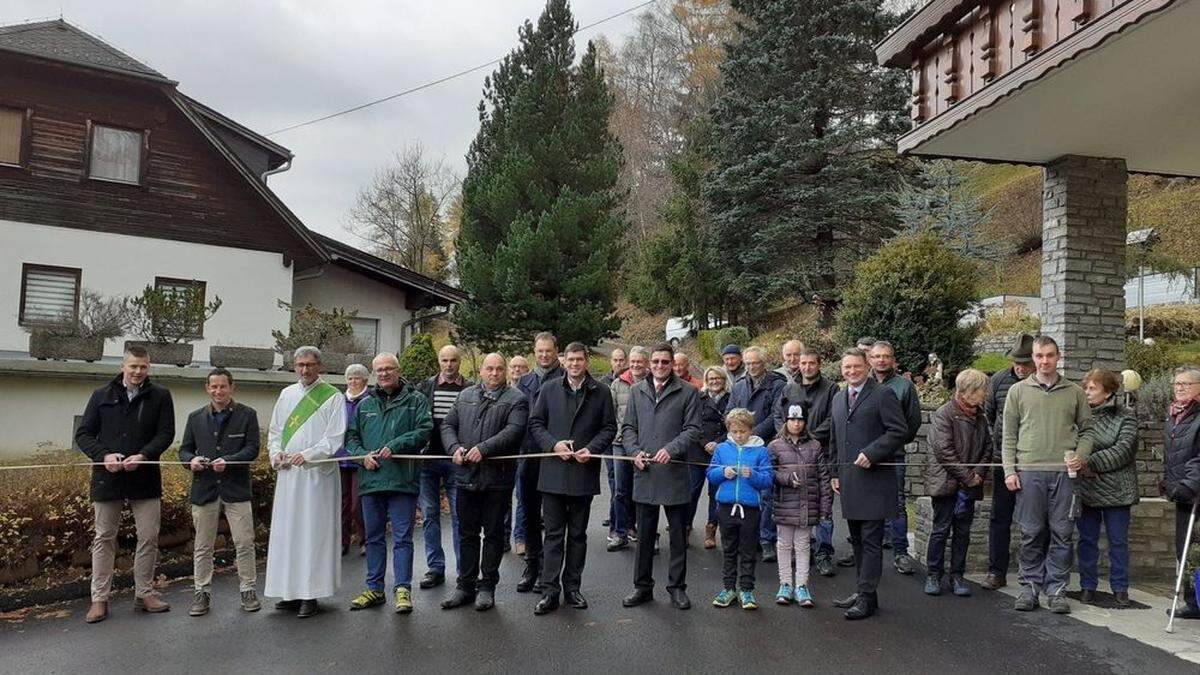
<point x="1178" y="323"/>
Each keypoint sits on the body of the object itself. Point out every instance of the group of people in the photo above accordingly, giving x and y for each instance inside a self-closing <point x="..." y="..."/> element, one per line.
<point x="773" y="447"/>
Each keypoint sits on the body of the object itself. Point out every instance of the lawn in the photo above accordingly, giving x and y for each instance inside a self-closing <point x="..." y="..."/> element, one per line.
<point x="991" y="362"/>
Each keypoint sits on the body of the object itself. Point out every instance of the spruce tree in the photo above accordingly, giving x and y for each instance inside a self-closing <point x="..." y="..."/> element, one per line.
<point x="541" y="214"/>
<point x="805" y="178"/>
<point x="940" y="201"/>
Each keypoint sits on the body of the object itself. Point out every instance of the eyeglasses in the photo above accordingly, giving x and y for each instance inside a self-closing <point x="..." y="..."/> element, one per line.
<point x="661" y="362"/>
<point x="1184" y="385"/>
<point x="385" y="371"/>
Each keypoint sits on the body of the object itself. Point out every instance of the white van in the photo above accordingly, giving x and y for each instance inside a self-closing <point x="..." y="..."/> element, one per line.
<point x="680" y="327"/>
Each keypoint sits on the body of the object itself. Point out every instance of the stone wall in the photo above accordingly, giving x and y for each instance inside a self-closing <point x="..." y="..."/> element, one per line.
<point x="995" y="343"/>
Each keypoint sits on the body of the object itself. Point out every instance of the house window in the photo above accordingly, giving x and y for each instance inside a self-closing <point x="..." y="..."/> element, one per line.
<point x="48" y="294"/>
<point x="12" y="136"/>
<point x="366" y="334"/>
<point x="116" y="155"/>
<point x="182" y="287"/>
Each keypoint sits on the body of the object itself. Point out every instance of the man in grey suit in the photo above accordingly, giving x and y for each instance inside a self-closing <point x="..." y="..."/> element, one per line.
<point x="868" y="429"/>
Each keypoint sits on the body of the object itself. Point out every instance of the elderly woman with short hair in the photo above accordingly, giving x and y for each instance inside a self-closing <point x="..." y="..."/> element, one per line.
<point x="357" y="377"/>
<point x="1181" y="467"/>
<point x="1107" y="486"/>
<point x="961" y="446"/>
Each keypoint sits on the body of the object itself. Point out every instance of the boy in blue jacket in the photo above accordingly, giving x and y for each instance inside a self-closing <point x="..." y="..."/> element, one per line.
<point x="740" y="469"/>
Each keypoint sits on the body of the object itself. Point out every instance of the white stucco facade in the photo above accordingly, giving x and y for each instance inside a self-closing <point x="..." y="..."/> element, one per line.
<point x="338" y="287"/>
<point x="249" y="283"/>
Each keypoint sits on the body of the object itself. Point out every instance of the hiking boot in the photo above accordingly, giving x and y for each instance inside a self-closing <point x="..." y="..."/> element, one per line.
<point x="404" y="603"/>
<point x="97" y="612"/>
<point x="994" y="582"/>
<point x="803" y="597"/>
<point x="825" y="567"/>
<point x="1058" y="604"/>
<point x="458" y="598"/>
<point x="1027" y="601"/>
<point x="959" y="586"/>
<point x="151" y="604"/>
<point x="710" y="536"/>
<point x="200" y="604"/>
<point x="1087" y="596"/>
<point x="903" y="563"/>
<point x="432" y="579"/>
<point x="367" y="598"/>
<point x="1122" y="599"/>
<point x="933" y="585"/>
<point x="768" y="551"/>
<point x="725" y="598"/>
<point x="747" y="600"/>
<point x="250" y="601"/>
<point x="784" y="596"/>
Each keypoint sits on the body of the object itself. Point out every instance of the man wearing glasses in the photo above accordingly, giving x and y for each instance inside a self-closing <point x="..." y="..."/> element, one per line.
<point x="1181" y="467"/>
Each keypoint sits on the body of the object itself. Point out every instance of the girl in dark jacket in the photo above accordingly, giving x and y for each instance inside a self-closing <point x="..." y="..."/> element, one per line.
<point x="714" y="396"/>
<point x="803" y="497"/>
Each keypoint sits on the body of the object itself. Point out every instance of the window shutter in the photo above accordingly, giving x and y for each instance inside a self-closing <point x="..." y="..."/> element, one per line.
<point x="12" y="135"/>
<point x="50" y="295"/>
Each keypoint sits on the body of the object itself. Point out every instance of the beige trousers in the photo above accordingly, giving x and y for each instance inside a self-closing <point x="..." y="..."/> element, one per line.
<point x="241" y="526"/>
<point x="147" y="513"/>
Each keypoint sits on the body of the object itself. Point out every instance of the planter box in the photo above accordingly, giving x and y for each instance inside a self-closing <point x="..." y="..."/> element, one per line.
<point x="241" y="357"/>
<point x="62" y="348"/>
<point x="179" y="354"/>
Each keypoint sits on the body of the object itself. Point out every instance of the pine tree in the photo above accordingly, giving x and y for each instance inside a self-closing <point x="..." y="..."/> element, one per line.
<point x="541" y="215"/>
<point x="940" y="201"/>
<point x="804" y="180"/>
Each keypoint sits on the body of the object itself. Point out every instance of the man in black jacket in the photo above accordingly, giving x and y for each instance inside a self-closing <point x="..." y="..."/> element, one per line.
<point x="487" y="420"/>
<point x="574" y="419"/>
<point x="545" y="352"/>
<point x="221" y="432"/>
<point x="815" y="392"/>
<point x="867" y="430"/>
<point x="128" y="421"/>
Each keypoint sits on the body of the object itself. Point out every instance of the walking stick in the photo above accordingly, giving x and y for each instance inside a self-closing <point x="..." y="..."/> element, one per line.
<point x="1187" y="541"/>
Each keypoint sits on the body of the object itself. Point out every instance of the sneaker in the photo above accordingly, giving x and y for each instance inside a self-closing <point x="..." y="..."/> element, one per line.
<point x="403" y="600"/>
<point x="367" y="598"/>
<point x="904" y="563"/>
<point x="618" y="544"/>
<point x="784" y="596"/>
<point x="803" y="597"/>
<point x="633" y="535"/>
<point x="747" y="600"/>
<point x="959" y="586"/>
<point x="724" y="598"/>
<point x="200" y="604"/>
<point x="1058" y="604"/>
<point x="250" y="601"/>
<point x="933" y="585"/>
<point x="1027" y="601"/>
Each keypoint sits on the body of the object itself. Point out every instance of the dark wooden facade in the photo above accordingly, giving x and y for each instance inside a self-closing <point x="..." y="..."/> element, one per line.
<point x="191" y="188"/>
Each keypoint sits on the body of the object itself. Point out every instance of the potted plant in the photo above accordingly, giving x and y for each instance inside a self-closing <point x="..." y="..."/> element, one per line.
<point x="257" y="358"/>
<point x="168" y="319"/>
<point x="328" y="331"/>
<point x="82" y="336"/>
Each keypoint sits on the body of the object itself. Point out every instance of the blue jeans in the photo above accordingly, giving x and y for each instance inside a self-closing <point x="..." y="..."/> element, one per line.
<point x="612" y="491"/>
<point x="515" y="520"/>
<point x="401" y="509"/>
<point x="766" y="517"/>
<point x="1116" y="526"/>
<point x="824" y="537"/>
<point x="435" y="475"/>
<point x="897" y="529"/>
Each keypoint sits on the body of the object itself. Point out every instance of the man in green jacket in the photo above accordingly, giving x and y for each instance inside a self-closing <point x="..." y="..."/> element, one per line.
<point x="1044" y="417"/>
<point x="393" y="420"/>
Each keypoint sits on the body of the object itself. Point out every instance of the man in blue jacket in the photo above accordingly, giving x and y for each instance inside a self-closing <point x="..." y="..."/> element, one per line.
<point x="757" y="392"/>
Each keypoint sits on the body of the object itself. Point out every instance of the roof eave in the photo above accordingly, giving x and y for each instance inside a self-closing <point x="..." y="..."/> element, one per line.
<point x="895" y="50"/>
<point x="144" y="77"/>
<point x="284" y="154"/>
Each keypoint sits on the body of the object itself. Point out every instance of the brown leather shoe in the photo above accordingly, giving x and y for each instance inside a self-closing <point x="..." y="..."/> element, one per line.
<point x="710" y="536"/>
<point x="97" y="612"/>
<point x="150" y="604"/>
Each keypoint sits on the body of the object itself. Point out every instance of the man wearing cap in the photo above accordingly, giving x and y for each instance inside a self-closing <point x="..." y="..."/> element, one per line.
<point x="731" y="356"/>
<point x="1003" y="501"/>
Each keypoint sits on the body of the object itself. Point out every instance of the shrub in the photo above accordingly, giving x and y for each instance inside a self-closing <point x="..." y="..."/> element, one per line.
<point x="706" y="344"/>
<point x="823" y="341"/>
<point x="991" y="362"/>
<point x="99" y="316"/>
<point x="732" y="335"/>
<point x="912" y="292"/>
<point x="173" y="314"/>
<point x="1179" y="323"/>
<point x="1149" y="360"/>
<point x="1154" y="395"/>
<point x="419" y="359"/>
<point x="1009" y="321"/>
<point x="312" y="327"/>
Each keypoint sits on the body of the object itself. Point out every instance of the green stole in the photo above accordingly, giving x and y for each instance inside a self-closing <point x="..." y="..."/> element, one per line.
<point x="310" y="404"/>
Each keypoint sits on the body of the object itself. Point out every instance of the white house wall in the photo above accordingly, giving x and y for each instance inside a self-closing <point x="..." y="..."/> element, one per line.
<point x="249" y="283"/>
<point x="338" y="287"/>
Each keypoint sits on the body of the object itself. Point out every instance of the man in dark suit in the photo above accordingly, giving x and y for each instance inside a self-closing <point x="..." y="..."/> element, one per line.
<point x="868" y="429"/>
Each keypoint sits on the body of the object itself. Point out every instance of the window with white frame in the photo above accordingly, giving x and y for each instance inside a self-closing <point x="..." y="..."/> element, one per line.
<point x="49" y="294"/>
<point x="116" y="155"/>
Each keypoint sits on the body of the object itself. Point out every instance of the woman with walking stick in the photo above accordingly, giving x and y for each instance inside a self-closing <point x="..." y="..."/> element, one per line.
<point x="1181" y="475"/>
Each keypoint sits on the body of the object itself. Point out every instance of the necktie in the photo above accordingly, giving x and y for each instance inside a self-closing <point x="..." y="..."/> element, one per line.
<point x="853" y="397"/>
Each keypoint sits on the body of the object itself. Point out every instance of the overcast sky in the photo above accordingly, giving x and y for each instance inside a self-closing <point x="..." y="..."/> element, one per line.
<point x="272" y="63"/>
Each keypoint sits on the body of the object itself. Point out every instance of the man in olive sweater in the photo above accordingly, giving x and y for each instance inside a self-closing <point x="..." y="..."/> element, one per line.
<point x="1044" y="416"/>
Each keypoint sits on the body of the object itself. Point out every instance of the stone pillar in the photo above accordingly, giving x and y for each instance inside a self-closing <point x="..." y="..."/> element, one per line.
<point x="1084" y="211"/>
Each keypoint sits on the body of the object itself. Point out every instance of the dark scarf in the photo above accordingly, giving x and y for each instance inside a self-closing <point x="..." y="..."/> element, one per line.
<point x="1180" y="411"/>
<point x="969" y="410"/>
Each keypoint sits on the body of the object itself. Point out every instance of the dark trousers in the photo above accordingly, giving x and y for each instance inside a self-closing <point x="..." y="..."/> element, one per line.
<point x="1116" y="528"/>
<point x="947" y="523"/>
<point x="897" y="528"/>
<point x="352" y="520"/>
<point x="699" y="476"/>
<point x="1183" y="513"/>
<point x="566" y="541"/>
<point x="1004" y="503"/>
<point x="622" y="505"/>
<point x="866" y="536"/>
<point x="647" y="526"/>
<point x="612" y="493"/>
<point x="481" y="511"/>
<point x="739" y="545"/>
<point x="531" y="510"/>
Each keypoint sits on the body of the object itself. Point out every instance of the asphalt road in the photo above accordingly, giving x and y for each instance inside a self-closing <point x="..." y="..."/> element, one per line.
<point x="912" y="633"/>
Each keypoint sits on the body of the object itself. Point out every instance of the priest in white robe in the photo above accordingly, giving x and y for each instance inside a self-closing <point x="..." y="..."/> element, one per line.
<point x="304" y="556"/>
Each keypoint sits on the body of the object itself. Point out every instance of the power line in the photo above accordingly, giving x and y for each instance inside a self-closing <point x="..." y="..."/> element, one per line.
<point x="447" y="78"/>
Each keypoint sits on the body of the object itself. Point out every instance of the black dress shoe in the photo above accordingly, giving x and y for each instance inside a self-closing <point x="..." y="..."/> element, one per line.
<point x="679" y="599"/>
<point x="547" y="604"/>
<point x="846" y="560"/>
<point x="639" y="596"/>
<point x="287" y="605"/>
<point x="307" y="609"/>
<point x="432" y="579"/>
<point x="576" y="600"/>
<point x="846" y="603"/>
<point x="1087" y="596"/>
<point x="861" y="610"/>
<point x="485" y="600"/>
<point x="528" y="580"/>
<point x="457" y="599"/>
